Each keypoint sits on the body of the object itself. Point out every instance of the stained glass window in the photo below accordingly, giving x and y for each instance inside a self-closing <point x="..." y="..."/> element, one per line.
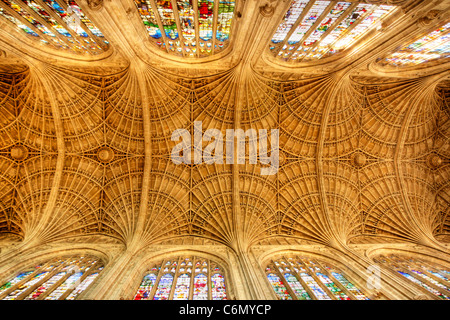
<point x="184" y="278"/>
<point x="58" y="24"/>
<point x="304" y="278"/>
<point x="192" y="28"/>
<point x="278" y="286"/>
<point x="200" y="287"/>
<point x="57" y="279"/>
<point x="433" y="46"/>
<point x="429" y="276"/>
<point x="315" y="29"/>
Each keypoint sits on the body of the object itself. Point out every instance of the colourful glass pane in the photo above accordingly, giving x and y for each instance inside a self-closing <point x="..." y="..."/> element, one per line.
<point x="205" y="19"/>
<point x="45" y="286"/>
<point x="326" y="23"/>
<point x="146" y="286"/>
<point x="187" y="22"/>
<point x="289" y="19"/>
<point x="298" y="289"/>
<point x="13" y="295"/>
<point x="68" y="284"/>
<point x="181" y="291"/>
<point x="164" y="286"/>
<point x="357" y="32"/>
<point x="200" y="287"/>
<point x="314" y="286"/>
<point x="439" y="275"/>
<point x="356" y="14"/>
<point x="278" y="287"/>
<point x="310" y="18"/>
<point x="436" y="283"/>
<point x="82" y="286"/>
<point x="224" y="19"/>
<point x="148" y="18"/>
<point x="433" y="46"/>
<point x="24" y="14"/>
<point x="424" y="285"/>
<point x="338" y="293"/>
<point x="350" y="286"/>
<point x="13" y="281"/>
<point x="165" y="10"/>
<point x="218" y="291"/>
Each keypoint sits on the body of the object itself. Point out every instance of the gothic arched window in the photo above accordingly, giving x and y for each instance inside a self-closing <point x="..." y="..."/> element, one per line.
<point x="311" y="30"/>
<point x="184" y="278"/>
<point x="431" y="47"/>
<point x="431" y="277"/>
<point x="302" y="278"/>
<point x="58" y="279"/>
<point x="60" y="25"/>
<point x="192" y="28"/>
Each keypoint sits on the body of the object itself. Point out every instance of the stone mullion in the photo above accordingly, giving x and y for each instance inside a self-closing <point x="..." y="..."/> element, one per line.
<point x="196" y="24"/>
<point x="286" y="284"/>
<point x="208" y="279"/>
<point x="335" y="281"/>
<point x="332" y="27"/>
<point x="415" y="276"/>
<point x="396" y="266"/>
<point x="319" y="282"/>
<point x="180" y="31"/>
<point x="447" y="283"/>
<point x="432" y="276"/>
<point x="441" y="281"/>
<point x="191" y="282"/>
<point x="158" y="278"/>
<point x="55" y="285"/>
<point x="408" y="270"/>
<point x="160" y="24"/>
<point x="214" y="26"/>
<point x="82" y="278"/>
<point x="175" y="278"/>
<point x="304" y="285"/>
<point x="314" y="26"/>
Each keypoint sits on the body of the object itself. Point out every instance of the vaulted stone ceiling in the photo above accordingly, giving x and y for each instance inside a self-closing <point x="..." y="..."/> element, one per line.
<point x="85" y="141"/>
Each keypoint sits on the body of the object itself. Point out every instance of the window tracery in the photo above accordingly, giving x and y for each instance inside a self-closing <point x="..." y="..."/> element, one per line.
<point x="183" y="278"/>
<point x="433" y="46"/>
<point x="59" y="24"/>
<point x="58" y="279"/>
<point x="312" y="30"/>
<point x="302" y="278"/>
<point x="192" y="28"/>
<point x="432" y="277"/>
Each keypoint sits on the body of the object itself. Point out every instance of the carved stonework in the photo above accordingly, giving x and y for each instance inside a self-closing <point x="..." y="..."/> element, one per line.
<point x="359" y="159"/>
<point x="95" y="4"/>
<point x="434" y="161"/>
<point x="429" y="17"/>
<point x="105" y="154"/>
<point x="19" y="152"/>
<point x="267" y="10"/>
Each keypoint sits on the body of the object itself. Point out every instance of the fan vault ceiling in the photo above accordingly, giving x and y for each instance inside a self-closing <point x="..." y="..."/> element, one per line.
<point x="85" y="141"/>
